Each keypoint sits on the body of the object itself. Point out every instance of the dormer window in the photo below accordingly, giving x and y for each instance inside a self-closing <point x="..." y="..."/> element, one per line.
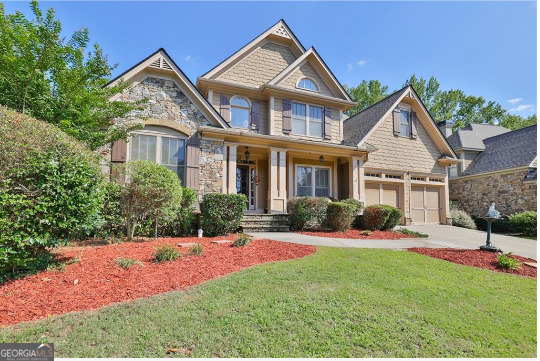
<point x="405" y="123"/>
<point x="240" y="109"/>
<point x="308" y="84"/>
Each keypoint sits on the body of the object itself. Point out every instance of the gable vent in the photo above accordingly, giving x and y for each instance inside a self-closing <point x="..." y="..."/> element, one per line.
<point x="165" y="65"/>
<point x="282" y="32"/>
<point x="155" y="64"/>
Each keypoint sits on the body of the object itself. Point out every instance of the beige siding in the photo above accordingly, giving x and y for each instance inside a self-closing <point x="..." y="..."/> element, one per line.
<point x="278" y="124"/>
<point x="263" y="109"/>
<point x="260" y="66"/>
<point x="401" y="153"/>
<point x="306" y="70"/>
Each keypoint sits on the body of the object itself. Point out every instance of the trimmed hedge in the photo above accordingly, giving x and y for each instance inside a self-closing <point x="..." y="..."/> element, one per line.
<point x="381" y="217"/>
<point x="339" y="216"/>
<point x="185" y="222"/>
<point x="306" y="212"/>
<point x="359" y="208"/>
<point x="462" y="219"/>
<point x="221" y="214"/>
<point x="500" y="225"/>
<point x="524" y="222"/>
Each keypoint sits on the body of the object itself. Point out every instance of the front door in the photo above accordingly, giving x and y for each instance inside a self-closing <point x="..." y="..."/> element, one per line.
<point x="245" y="183"/>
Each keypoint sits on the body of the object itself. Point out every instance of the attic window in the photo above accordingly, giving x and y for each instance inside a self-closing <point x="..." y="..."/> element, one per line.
<point x="418" y="178"/>
<point x="308" y="84"/>
<point x="376" y="175"/>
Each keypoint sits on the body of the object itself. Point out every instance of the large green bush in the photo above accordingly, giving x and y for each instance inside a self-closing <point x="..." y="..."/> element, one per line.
<point x="340" y="216"/>
<point x="524" y="222"/>
<point x="306" y="212"/>
<point x="184" y="223"/>
<point x="221" y="214"/>
<point x="359" y="208"/>
<point x="381" y="217"/>
<point x="151" y="193"/>
<point x="112" y="220"/>
<point x="462" y="219"/>
<point x="49" y="190"/>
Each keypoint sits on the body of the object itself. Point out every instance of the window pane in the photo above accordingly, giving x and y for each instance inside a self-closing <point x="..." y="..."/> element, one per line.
<point x="172" y="151"/>
<point x="404" y="130"/>
<point x="322" y="185"/>
<point x="404" y="123"/>
<point x="307" y="84"/>
<point x="299" y="119"/>
<point x="143" y="147"/>
<point x="239" y="117"/>
<point x="299" y="110"/>
<point x="303" y="176"/>
<point x="299" y="126"/>
<point x="242" y="102"/>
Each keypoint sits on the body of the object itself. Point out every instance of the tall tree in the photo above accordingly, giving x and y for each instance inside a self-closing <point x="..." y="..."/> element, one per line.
<point x="366" y="94"/>
<point x="513" y="122"/>
<point x="57" y="80"/>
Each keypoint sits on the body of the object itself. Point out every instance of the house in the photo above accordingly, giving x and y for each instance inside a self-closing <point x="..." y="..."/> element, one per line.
<point x="269" y="122"/>
<point x="496" y="166"/>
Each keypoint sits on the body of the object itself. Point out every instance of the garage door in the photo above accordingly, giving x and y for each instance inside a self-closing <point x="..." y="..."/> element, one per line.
<point x="426" y="204"/>
<point x="377" y="193"/>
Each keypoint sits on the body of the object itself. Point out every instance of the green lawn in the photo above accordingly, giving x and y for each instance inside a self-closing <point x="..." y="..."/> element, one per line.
<point x="337" y="302"/>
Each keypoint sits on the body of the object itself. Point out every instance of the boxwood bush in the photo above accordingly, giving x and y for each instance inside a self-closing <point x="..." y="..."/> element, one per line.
<point x="381" y="217"/>
<point x="184" y="223"/>
<point x="49" y="190"/>
<point x="462" y="219"/>
<point x="498" y="225"/>
<point x="524" y="222"/>
<point x="339" y="216"/>
<point x="359" y="208"/>
<point x="306" y="212"/>
<point x="221" y="214"/>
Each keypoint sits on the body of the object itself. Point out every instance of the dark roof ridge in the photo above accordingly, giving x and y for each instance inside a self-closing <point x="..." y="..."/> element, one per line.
<point x="374" y="104"/>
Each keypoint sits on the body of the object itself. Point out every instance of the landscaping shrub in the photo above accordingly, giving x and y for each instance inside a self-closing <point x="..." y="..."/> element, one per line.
<point x="499" y="225"/>
<point x="49" y="191"/>
<point x="339" y="216"/>
<point x="166" y="253"/>
<point x="111" y="212"/>
<point x="221" y="214"/>
<point x="151" y="192"/>
<point x="195" y="250"/>
<point x="185" y="222"/>
<point x="366" y="232"/>
<point x="241" y="240"/>
<point x="306" y="212"/>
<point x="524" y="222"/>
<point x="412" y="233"/>
<point x="359" y="208"/>
<point x="462" y="219"/>
<point x="126" y="263"/>
<point x="506" y="262"/>
<point x="381" y="217"/>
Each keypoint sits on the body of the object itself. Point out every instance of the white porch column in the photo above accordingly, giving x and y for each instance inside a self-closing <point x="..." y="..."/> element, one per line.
<point x="231" y="169"/>
<point x="357" y="178"/>
<point x="361" y="181"/>
<point x="282" y="187"/>
<point x="446" y="208"/>
<point x="277" y="190"/>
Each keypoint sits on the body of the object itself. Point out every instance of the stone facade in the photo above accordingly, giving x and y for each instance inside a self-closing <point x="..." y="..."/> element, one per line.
<point x="401" y="153"/>
<point x="166" y="101"/>
<point x="211" y="167"/>
<point x="507" y="190"/>
<point x="306" y="70"/>
<point x="261" y="65"/>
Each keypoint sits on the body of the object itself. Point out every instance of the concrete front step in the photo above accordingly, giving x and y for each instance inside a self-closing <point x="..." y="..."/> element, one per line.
<point x="260" y="228"/>
<point x="257" y="222"/>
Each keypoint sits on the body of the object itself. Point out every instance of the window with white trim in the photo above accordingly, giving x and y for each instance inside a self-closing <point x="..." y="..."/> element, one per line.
<point x="306" y="83"/>
<point x="405" y="122"/>
<point x="240" y="109"/>
<point x="165" y="147"/>
<point x="307" y="119"/>
<point x="312" y="181"/>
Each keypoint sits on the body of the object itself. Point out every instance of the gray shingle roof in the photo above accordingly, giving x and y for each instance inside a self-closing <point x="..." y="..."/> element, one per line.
<point x="509" y="150"/>
<point x="358" y="126"/>
<point x="472" y="135"/>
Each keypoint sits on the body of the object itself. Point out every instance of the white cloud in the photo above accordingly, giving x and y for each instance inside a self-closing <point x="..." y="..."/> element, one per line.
<point x="514" y="100"/>
<point x="522" y="107"/>
<point x="361" y="62"/>
<point x="187" y="58"/>
<point x="350" y="67"/>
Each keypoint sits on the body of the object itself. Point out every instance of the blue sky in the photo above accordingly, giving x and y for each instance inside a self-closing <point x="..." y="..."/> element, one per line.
<point x="485" y="48"/>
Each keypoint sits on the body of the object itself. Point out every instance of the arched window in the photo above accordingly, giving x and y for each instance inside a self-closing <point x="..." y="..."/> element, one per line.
<point x="307" y="83"/>
<point x="162" y="145"/>
<point x="240" y="110"/>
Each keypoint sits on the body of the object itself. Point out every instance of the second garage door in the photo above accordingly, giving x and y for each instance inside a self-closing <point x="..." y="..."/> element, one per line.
<point x="426" y="204"/>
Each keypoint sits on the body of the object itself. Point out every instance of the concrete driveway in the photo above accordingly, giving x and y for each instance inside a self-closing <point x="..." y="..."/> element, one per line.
<point x="439" y="237"/>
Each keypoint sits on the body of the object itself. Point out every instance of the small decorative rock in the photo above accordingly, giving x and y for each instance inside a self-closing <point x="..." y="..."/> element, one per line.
<point x="221" y="241"/>
<point x="184" y="245"/>
<point x="532" y="264"/>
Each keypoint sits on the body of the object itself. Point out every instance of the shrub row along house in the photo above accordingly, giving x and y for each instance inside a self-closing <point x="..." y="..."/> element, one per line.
<point x="269" y="122"/>
<point x="496" y="165"/>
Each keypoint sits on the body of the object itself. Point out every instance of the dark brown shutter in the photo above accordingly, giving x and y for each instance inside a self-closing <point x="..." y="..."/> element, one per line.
<point x="193" y="149"/>
<point x="397" y="114"/>
<point x="414" y="123"/>
<point x="119" y="151"/>
<point x="255" y="115"/>
<point x="287" y="125"/>
<point x="327" y="123"/>
<point x="225" y="108"/>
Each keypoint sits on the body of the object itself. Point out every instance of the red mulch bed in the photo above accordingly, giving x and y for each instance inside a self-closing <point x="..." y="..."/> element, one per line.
<point x="97" y="280"/>
<point x="357" y="234"/>
<point x="477" y="258"/>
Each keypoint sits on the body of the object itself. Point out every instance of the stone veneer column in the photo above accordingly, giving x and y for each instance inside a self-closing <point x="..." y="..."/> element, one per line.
<point x="231" y="169"/>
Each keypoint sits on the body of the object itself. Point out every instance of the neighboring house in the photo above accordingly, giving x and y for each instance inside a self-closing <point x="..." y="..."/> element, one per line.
<point x="269" y="122"/>
<point x="496" y="166"/>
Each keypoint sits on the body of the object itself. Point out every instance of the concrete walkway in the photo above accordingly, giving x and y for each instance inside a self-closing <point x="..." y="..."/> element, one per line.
<point x="439" y="237"/>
